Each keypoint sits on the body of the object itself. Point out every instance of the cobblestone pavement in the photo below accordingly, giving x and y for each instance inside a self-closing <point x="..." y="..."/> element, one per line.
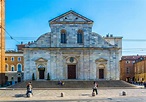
<point x="75" y="95"/>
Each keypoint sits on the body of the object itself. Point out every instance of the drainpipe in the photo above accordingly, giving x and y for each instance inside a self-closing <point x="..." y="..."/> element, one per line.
<point x="144" y="70"/>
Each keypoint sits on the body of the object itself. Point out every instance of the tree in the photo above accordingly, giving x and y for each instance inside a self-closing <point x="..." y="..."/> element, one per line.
<point x="33" y="78"/>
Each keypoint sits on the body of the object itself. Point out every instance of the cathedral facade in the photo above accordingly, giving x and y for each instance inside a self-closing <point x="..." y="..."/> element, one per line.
<point x="72" y="51"/>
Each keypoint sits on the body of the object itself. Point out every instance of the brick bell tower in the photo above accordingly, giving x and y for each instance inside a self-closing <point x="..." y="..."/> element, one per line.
<point x="2" y="42"/>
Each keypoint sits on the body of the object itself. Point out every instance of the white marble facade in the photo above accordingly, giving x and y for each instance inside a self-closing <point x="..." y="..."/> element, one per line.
<point x="66" y="55"/>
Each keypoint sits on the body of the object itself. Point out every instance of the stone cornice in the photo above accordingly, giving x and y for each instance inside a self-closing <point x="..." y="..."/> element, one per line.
<point x="68" y="22"/>
<point x="72" y="48"/>
<point x="70" y="12"/>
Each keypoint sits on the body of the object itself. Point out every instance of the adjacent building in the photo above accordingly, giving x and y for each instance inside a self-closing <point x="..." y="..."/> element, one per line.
<point x="140" y="69"/>
<point x="128" y="67"/>
<point x="14" y="67"/>
<point x="73" y="51"/>
<point x="2" y="42"/>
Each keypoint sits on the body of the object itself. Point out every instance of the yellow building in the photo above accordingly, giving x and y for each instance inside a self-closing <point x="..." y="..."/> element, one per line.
<point x="14" y="67"/>
<point x="140" y="70"/>
<point x="2" y="42"/>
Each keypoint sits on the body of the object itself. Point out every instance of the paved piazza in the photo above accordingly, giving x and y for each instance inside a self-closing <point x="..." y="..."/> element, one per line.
<point x="75" y="95"/>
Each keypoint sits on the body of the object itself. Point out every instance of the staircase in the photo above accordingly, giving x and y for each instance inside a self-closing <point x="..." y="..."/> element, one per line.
<point x="72" y="84"/>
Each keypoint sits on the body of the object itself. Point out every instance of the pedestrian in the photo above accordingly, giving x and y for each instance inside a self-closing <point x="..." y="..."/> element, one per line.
<point x="59" y="82"/>
<point x="62" y="83"/>
<point x="95" y="87"/>
<point x="27" y="86"/>
<point x="29" y="89"/>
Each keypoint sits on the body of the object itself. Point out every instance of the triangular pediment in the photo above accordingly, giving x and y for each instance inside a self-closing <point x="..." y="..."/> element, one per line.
<point x="70" y="17"/>
<point x="100" y="60"/>
<point x="41" y="60"/>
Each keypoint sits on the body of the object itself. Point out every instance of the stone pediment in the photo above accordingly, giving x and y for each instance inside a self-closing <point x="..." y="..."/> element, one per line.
<point x="41" y="60"/>
<point x="101" y="60"/>
<point x="70" y="17"/>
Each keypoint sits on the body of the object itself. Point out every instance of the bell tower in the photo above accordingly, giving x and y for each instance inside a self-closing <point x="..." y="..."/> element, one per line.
<point x="2" y="42"/>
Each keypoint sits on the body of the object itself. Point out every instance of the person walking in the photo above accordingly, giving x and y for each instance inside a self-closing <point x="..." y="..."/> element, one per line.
<point x="27" y="86"/>
<point x="95" y="88"/>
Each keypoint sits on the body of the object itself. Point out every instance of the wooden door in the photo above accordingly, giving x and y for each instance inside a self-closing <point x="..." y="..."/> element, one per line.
<point x="71" y="71"/>
<point x="41" y="74"/>
<point x="101" y="73"/>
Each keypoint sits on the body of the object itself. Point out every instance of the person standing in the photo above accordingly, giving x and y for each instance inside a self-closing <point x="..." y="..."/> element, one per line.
<point x="29" y="89"/>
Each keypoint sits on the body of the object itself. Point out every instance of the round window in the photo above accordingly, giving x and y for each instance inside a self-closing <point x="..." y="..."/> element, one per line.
<point x="71" y="59"/>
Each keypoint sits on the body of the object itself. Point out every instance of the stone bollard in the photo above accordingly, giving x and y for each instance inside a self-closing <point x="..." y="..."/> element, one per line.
<point x="93" y="93"/>
<point x="62" y="94"/>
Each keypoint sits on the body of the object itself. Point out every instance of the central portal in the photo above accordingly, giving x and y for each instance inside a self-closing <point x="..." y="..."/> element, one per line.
<point x="71" y="71"/>
<point x="101" y="73"/>
<point x="41" y="73"/>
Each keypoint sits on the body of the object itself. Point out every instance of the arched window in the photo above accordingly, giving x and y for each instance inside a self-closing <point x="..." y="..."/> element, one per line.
<point x="19" y="68"/>
<point x="6" y="67"/>
<point x="12" y="58"/>
<point x="12" y="68"/>
<point x="19" y="58"/>
<point x="80" y="36"/>
<point x="63" y="36"/>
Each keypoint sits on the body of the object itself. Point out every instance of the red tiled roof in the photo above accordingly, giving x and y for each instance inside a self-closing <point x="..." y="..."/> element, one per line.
<point x="132" y="57"/>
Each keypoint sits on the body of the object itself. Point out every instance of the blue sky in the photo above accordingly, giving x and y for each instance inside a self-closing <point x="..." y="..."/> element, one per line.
<point x="26" y="20"/>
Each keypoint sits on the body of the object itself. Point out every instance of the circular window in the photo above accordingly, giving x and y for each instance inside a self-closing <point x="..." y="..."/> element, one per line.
<point x="71" y="59"/>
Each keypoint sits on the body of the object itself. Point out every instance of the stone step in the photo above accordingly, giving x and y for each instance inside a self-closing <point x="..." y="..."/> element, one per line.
<point x="72" y="84"/>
